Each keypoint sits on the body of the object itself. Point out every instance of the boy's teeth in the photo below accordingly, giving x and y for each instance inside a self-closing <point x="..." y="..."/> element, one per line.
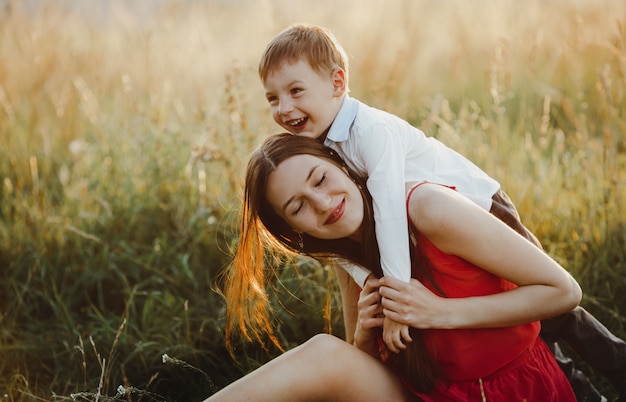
<point x="296" y="122"/>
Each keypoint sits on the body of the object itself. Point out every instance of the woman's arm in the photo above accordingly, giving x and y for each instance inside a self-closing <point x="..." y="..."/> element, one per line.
<point x="362" y="312"/>
<point x="349" y="298"/>
<point x="459" y="227"/>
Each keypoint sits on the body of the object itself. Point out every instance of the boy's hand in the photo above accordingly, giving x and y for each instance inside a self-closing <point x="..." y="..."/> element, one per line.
<point x="395" y="335"/>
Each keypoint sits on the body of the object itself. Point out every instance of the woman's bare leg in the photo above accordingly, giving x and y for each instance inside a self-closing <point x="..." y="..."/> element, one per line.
<point x="324" y="368"/>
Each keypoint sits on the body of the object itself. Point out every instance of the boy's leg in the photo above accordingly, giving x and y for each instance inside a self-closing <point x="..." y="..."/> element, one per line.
<point x="582" y="386"/>
<point x="602" y="350"/>
<point x="595" y="344"/>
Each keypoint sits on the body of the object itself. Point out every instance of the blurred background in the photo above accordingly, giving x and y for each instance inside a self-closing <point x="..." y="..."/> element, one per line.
<point x="124" y="132"/>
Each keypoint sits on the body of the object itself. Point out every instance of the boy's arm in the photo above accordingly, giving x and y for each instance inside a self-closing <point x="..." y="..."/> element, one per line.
<point x="382" y="154"/>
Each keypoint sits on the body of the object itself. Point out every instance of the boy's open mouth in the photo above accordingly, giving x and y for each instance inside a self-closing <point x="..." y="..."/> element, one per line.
<point x="298" y="124"/>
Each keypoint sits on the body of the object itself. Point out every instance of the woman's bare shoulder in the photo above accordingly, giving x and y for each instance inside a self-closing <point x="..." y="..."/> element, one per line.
<point x="429" y="198"/>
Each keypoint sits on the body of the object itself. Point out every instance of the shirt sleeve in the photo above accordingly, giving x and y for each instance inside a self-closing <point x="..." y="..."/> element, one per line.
<point x="357" y="272"/>
<point x="382" y="154"/>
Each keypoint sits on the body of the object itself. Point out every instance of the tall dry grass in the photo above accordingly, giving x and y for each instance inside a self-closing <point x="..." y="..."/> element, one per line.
<point x="124" y="129"/>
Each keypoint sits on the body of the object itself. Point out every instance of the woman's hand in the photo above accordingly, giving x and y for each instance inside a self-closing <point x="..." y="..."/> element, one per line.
<point x="370" y="317"/>
<point x="412" y="304"/>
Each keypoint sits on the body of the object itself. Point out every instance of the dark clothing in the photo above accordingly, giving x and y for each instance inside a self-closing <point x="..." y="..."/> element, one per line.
<point x="591" y="340"/>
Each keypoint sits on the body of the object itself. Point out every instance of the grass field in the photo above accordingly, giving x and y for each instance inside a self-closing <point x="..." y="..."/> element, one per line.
<point x="124" y="132"/>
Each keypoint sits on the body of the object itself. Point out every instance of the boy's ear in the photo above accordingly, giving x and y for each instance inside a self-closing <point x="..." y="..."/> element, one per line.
<point x="339" y="82"/>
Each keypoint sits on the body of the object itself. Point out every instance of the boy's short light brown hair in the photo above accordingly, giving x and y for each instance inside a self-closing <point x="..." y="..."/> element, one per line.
<point x="317" y="45"/>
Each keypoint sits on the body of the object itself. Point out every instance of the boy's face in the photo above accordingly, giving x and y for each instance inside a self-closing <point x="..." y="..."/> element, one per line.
<point x="303" y="101"/>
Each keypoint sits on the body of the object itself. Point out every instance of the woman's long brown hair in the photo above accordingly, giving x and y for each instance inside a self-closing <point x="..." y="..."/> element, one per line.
<point x="263" y="232"/>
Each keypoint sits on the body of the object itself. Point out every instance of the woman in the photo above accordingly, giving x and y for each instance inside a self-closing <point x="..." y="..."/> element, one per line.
<point x="475" y="309"/>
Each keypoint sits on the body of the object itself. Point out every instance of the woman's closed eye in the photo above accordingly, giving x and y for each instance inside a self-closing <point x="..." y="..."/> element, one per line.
<point x="298" y="208"/>
<point x="316" y="183"/>
<point x="321" y="180"/>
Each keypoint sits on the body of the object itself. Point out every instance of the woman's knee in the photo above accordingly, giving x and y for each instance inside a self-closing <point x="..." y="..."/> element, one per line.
<point x="342" y="368"/>
<point x="330" y="352"/>
<point x="322" y="360"/>
<point x="324" y="345"/>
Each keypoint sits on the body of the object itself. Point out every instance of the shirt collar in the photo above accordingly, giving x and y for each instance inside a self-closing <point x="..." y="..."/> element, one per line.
<point x="340" y="128"/>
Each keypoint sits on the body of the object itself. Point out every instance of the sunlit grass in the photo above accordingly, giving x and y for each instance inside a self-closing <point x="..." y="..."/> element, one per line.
<point x="124" y="138"/>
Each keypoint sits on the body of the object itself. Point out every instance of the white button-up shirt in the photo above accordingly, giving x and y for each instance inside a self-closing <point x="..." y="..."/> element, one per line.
<point x="390" y="153"/>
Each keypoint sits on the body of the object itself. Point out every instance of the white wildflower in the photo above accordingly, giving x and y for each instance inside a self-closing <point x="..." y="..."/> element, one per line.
<point x="77" y="147"/>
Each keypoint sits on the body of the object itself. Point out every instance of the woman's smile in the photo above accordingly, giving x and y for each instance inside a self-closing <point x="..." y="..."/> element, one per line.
<point x="337" y="213"/>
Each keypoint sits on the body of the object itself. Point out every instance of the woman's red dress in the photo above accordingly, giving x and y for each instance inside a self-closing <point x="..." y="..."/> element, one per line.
<point x="495" y="364"/>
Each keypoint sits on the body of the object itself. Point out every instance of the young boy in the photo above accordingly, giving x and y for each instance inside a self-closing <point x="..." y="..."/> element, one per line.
<point x="304" y="71"/>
